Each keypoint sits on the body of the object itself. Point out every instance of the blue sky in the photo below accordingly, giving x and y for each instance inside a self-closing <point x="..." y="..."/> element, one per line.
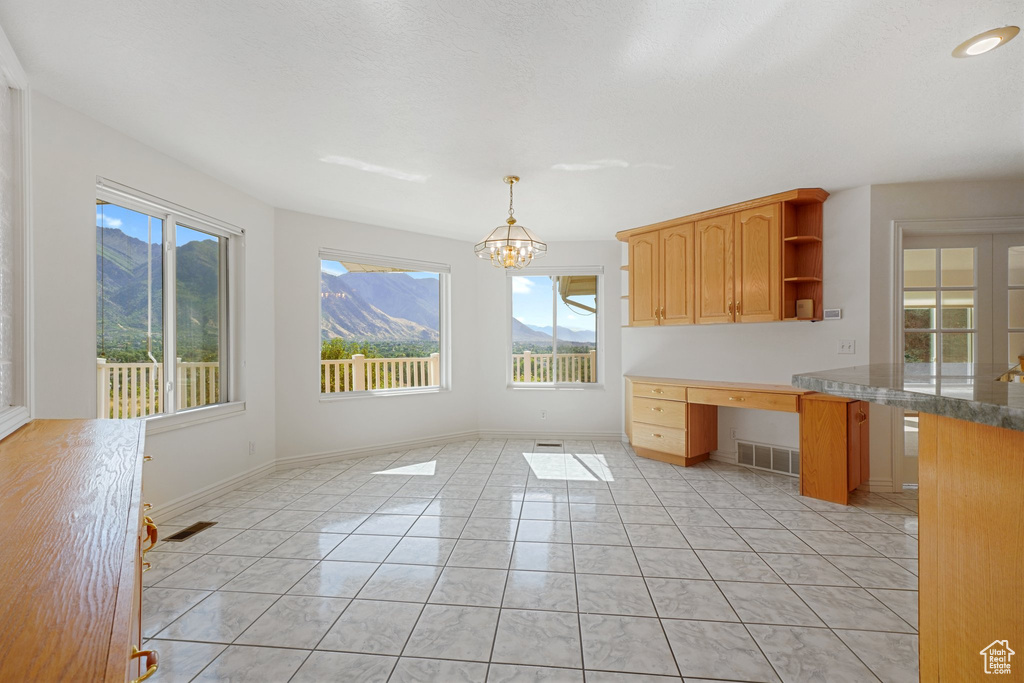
<point x="531" y="305"/>
<point x="135" y="224"/>
<point x="335" y="268"/>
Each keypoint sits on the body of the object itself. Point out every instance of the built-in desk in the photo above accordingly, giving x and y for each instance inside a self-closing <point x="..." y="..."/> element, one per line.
<point x="676" y="421"/>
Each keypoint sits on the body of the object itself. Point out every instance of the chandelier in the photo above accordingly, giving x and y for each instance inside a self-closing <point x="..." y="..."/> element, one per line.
<point x="511" y="245"/>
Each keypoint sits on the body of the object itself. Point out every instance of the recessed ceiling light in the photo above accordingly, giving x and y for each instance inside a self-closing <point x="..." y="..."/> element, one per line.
<point x="984" y="42"/>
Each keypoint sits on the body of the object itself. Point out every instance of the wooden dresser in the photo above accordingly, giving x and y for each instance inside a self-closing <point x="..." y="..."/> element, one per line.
<point x="676" y="421"/>
<point x="73" y="532"/>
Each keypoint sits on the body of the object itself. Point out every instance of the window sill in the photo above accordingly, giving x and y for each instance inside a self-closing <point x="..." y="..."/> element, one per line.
<point x="158" y="424"/>
<point x="379" y="393"/>
<point x="562" y="386"/>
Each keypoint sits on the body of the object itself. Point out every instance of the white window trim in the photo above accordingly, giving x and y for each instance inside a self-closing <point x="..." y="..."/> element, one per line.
<point x="233" y="319"/>
<point x="548" y="272"/>
<point x="444" y="271"/>
<point x="23" y="411"/>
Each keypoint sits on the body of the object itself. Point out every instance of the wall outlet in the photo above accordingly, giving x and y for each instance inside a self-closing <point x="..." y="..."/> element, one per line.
<point x="847" y="346"/>
<point x="252" y="448"/>
<point x="543" y="414"/>
<point x="732" y="434"/>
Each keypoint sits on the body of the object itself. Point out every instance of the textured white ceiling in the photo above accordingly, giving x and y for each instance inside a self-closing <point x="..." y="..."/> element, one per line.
<point x="615" y="113"/>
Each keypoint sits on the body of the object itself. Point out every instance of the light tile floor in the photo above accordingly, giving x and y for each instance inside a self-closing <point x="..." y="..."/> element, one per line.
<point x="502" y="561"/>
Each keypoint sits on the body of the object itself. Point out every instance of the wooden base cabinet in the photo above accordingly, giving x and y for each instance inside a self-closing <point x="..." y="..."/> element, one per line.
<point x="971" y="508"/>
<point x="748" y="262"/>
<point x="834" y="458"/>
<point x="70" y="520"/>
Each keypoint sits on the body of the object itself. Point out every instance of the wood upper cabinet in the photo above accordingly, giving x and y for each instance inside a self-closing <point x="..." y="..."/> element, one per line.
<point x="677" y="275"/>
<point x="644" y="280"/>
<point x="714" y="270"/>
<point x="661" y="277"/>
<point x="747" y="262"/>
<point x="758" y="265"/>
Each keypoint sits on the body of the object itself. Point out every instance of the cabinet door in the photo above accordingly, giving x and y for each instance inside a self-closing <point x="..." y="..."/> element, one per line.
<point x="644" y="289"/>
<point x="714" y="270"/>
<point x="758" y="265"/>
<point x="677" y="275"/>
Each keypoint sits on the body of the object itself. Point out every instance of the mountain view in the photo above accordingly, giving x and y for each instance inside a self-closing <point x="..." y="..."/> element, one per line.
<point x="378" y="307"/>
<point x="121" y="275"/>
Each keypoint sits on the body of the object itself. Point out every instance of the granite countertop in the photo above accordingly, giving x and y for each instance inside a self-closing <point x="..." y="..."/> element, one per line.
<point x="970" y="392"/>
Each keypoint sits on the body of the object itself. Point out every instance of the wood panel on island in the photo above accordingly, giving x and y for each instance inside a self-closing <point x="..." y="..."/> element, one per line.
<point x="71" y="602"/>
<point x="747" y="262"/>
<point x="676" y="421"/>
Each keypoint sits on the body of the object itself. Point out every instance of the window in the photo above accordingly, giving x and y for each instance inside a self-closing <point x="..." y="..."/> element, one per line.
<point x="383" y="324"/>
<point x="163" y="299"/>
<point x="555" y="327"/>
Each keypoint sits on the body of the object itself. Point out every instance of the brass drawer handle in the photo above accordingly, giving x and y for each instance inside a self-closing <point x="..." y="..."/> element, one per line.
<point x="151" y="662"/>
<point x="657" y="391"/>
<point x="146" y="458"/>
<point x="861" y="417"/>
<point x="658" y="410"/>
<point x="151" y="534"/>
<point x="146" y="566"/>
<point x="735" y="398"/>
<point x="146" y="507"/>
<point x="656" y="435"/>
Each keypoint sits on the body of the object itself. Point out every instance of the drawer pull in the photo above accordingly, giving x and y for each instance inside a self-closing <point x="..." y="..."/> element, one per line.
<point x="737" y="398"/>
<point x="657" y="436"/>
<point x="146" y="507"/>
<point x="151" y="662"/>
<point x="151" y="534"/>
<point x="658" y="410"/>
<point x="146" y="458"/>
<point x="146" y="566"/>
<point x="657" y="391"/>
<point x="861" y="417"/>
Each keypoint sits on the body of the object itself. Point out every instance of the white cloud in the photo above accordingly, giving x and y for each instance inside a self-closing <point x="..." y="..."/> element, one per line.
<point x="107" y="221"/>
<point x="522" y="285"/>
<point x="608" y="163"/>
<point x="374" y="168"/>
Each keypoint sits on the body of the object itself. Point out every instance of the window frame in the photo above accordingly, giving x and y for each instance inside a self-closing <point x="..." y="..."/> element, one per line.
<point x="444" y="271"/>
<point x="555" y="271"/>
<point x="232" y="275"/>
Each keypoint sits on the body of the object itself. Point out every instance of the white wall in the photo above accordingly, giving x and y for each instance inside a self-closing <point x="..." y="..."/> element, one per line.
<point x="569" y="411"/>
<point x="772" y="352"/>
<point x="307" y="425"/>
<point x="69" y="151"/>
<point x="975" y="199"/>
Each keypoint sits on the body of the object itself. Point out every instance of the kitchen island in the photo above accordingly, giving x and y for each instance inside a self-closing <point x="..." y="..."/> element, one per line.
<point x="971" y="507"/>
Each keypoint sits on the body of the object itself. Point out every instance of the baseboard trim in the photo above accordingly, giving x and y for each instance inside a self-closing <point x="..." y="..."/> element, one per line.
<point x="193" y="500"/>
<point x="538" y="434"/>
<point x="878" y="485"/>
<point x="724" y="456"/>
<point x="367" y="451"/>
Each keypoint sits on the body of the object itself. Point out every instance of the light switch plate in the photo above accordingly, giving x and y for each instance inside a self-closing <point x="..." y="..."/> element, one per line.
<point x="833" y="313"/>
<point x="847" y="346"/>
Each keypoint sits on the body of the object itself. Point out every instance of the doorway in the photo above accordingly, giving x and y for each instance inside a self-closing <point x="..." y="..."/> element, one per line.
<point x="961" y="303"/>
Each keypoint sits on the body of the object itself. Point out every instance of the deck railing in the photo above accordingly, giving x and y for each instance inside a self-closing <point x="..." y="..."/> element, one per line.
<point x="543" y="367"/>
<point x="125" y="390"/>
<point x="360" y="373"/>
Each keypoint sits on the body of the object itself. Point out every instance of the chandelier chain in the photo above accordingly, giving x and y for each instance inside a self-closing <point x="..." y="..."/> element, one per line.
<point x="510" y="209"/>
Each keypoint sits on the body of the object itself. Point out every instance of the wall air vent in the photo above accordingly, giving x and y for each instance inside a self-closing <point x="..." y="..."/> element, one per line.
<point x="767" y="457"/>
<point x="188" y="531"/>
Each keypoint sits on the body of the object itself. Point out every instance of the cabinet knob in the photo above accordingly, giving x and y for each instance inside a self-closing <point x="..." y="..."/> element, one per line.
<point x="151" y="662"/>
<point x="657" y="436"/>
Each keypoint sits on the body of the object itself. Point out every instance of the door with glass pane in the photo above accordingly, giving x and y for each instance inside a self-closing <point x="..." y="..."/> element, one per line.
<point x="947" y="313"/>
<point x="1008" y="288"/>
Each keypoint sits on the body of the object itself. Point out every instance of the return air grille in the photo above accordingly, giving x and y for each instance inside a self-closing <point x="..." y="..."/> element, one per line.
<point x="189" y="531"/>
<point x="767" y="457"/>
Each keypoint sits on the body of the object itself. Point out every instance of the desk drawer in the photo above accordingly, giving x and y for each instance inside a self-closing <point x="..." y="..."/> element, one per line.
<point x="671" y="392"/>
<point x="659" y="412"/>
<point x="670" y="440"/>
<point x="789" y="403"/>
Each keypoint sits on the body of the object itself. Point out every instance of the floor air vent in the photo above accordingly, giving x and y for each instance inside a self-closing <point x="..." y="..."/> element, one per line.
<point x="189" y="531"/>
<point x="767" y="457"/>
<point x="557" y="444"/>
